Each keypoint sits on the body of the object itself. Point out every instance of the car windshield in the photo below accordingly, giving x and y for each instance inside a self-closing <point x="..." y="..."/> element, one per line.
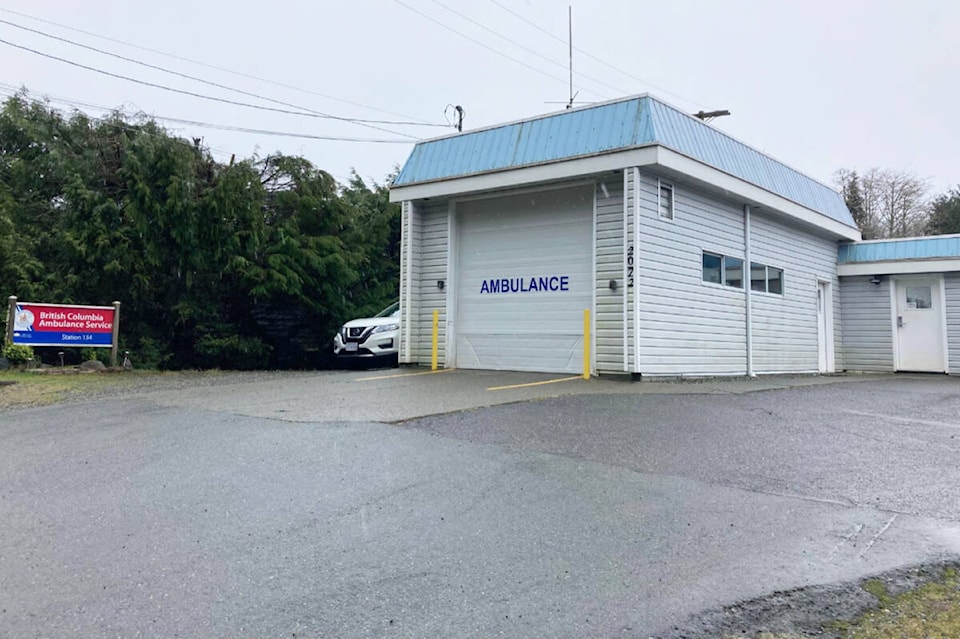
<point x="391" y="311"/>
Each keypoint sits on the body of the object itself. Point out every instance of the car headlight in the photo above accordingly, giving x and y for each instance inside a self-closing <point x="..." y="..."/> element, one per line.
<point x="386" y="327"/>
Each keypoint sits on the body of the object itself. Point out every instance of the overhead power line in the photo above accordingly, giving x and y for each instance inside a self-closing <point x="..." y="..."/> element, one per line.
<point x="207" y="65"/>
<point x="526" y="48"/>
<point x="9" y="90"/>
<point x="190" y="93"/>
<point x="306" y="136"/>
<point x="484" y="45"/>
<point x="590" y="55"/>
<point x="12" y="91"/>
<point x="215" y="84"/>
<point x="306" y="110"/>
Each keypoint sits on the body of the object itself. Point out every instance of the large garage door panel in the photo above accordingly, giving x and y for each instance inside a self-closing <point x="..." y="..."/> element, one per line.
<point x="525" y="242"/>
<point x="518" y="353"/>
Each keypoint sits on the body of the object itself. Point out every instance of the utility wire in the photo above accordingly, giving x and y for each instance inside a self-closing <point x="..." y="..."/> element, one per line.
<point x="591" y="56"/>
<point x="215" y="84"/>
<point x="10" y="91"/>
<point x="307" y="136"/>
<point x="485" y="46"/>
<point x="210" y="66"/>
<point x="190" y="93"/>
<point x="526" y="48"/>
<point x="359" y="122"/>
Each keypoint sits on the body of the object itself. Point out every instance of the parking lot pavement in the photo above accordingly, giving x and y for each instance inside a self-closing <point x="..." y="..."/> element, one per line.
<point x="393" y="395"/>
<point x="613" y="514"/>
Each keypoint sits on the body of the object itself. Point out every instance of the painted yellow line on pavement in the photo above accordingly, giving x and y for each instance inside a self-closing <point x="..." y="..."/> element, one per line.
<point x="370" y="379"/>
<point x="549" y="381"/>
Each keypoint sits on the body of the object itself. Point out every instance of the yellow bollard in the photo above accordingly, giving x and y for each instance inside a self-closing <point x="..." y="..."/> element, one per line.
<point x="586" y="343"/>
<point x="436" y="337"/>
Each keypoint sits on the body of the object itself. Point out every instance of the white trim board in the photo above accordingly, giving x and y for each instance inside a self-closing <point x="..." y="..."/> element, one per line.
<point x="648" y="156"/>
<point x="899" y="267"/>
<point x="529" y="175"/>
<point x="943" y="325"/>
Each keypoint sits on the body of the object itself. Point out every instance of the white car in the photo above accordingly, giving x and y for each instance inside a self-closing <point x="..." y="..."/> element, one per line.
<point x="370" y="339"/>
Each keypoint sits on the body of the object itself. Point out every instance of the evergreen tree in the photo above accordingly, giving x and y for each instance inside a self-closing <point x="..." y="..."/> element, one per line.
<point x="945" y="213"/>
<point x="854" y="199"/>
<point x="216" y="265"/>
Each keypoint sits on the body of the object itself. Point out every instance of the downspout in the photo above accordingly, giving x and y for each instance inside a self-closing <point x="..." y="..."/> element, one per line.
<point x="635" y="192"/>
<point x="748" y="285"/>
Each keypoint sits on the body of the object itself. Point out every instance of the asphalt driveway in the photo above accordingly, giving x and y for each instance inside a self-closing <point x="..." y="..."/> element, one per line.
<point x="611" y="510"/>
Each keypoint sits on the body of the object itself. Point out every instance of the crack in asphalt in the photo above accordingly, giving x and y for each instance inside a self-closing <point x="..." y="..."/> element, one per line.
<point x="902" y="420"/>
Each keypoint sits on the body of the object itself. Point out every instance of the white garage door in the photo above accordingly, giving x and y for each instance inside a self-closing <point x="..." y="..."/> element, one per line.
<point x="524" y="279"/>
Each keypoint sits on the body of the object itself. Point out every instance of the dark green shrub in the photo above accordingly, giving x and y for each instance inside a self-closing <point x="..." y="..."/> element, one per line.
<point x="145" y="352"/>
<point x="17" y="354"/>
<point x="233" y="352"/>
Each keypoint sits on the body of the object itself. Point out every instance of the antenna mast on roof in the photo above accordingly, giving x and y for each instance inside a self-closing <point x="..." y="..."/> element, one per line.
<point x="570" y="50"/>
<point x="573" y="96"/>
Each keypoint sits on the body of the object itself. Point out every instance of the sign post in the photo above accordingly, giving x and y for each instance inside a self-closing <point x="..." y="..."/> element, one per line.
<point x="11" y="309"/>
<point x="115" y="337"/>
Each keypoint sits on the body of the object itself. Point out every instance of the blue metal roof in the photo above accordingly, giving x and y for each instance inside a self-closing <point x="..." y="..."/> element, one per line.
<point x="921" y="248"/>
<point x="605" y="128"/>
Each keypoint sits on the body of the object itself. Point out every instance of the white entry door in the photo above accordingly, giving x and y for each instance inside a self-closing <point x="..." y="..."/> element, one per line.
<point x="919" y="326"/>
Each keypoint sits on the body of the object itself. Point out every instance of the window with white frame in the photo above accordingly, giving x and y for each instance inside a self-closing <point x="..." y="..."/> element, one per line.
<point x="665" y="199"/>
<point x="722" y="269"/>
<point x="712" y="268"/>
<point x="766" y="279"/>
<point x="732" y="272"/>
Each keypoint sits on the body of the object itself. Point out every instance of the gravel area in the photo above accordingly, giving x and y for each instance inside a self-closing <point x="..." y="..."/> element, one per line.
<point x="805" y="612"/>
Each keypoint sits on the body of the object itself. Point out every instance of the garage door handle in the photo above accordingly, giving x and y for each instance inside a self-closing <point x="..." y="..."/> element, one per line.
<point x="900" y="321"/>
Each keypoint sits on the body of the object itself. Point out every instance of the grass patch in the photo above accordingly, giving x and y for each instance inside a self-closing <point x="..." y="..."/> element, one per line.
<point x="24" y="389"/>
<point x="932" y="610"/>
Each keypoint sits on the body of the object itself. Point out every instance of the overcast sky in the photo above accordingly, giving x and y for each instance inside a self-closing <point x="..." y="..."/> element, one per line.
<point x="817" y="84"/>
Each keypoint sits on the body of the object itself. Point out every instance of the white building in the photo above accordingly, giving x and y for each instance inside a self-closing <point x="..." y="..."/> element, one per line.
<point x="901" y="304"/>
<point x="694" y="253"/>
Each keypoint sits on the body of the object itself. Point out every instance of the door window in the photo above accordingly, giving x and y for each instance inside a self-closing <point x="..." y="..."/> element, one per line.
<point x="919" y="297"/>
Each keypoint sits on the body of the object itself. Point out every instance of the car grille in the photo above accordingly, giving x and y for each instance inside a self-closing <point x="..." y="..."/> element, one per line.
<point x="356" y="331"/>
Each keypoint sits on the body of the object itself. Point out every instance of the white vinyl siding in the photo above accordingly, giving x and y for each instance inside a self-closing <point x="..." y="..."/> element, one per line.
<point x="785" y="336"/>
<point x="610" y="263"/>
<point x="951" y="283"/>
<point x="686" y="326"/>
<point x="867" y="327"/>
<point x="425" y="225"/>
